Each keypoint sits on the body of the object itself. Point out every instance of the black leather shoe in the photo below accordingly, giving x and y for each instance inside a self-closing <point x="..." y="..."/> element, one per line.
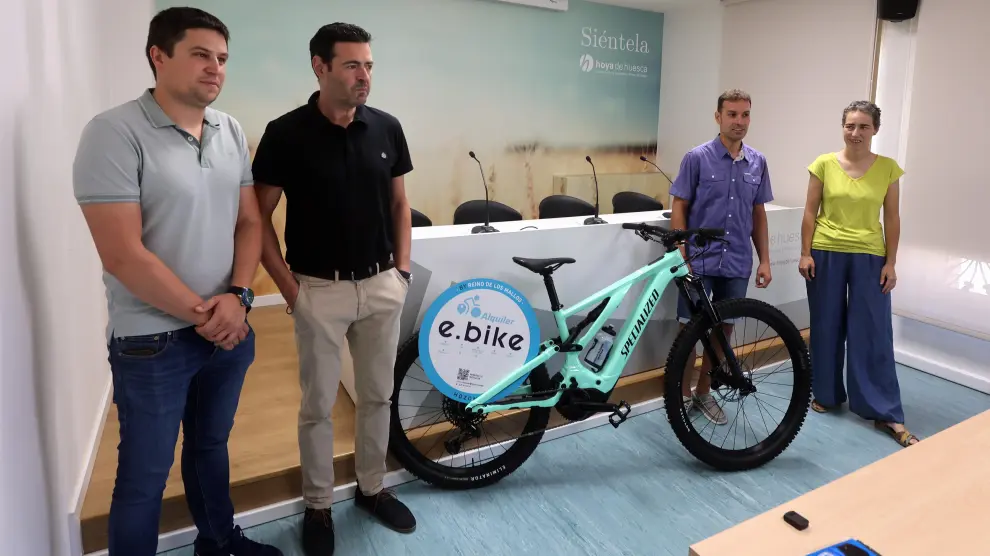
<point x="318" y="532"/>
<point x="386" y="507"/>
<point x="237" y="545"/>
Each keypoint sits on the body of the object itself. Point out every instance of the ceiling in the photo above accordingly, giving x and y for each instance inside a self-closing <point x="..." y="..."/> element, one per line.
<point x="655" y="5"/>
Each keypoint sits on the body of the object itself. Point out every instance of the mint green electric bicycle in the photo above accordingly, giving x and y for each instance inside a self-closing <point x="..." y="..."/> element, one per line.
<point x="458" y="445"/>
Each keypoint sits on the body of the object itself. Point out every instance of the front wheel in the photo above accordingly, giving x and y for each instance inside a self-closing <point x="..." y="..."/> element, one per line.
<point x="733" y="429"/>
<point x="439" y="442"/>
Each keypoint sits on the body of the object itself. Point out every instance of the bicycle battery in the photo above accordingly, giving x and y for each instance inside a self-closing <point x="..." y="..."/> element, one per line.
<point x="601" y="346"/>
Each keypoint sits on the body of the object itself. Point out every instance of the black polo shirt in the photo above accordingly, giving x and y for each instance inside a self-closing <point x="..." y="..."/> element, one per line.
<point x="337" y="183"/>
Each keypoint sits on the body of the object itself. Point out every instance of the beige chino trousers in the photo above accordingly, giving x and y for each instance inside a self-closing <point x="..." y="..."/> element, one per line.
<point x="367" y="313"/>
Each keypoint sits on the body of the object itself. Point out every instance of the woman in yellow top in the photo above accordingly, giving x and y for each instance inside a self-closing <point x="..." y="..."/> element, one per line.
<point x="848" y="259"/>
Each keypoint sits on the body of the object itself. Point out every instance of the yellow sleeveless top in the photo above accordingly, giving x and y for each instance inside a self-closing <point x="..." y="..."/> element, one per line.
<point x="849" y="218"/>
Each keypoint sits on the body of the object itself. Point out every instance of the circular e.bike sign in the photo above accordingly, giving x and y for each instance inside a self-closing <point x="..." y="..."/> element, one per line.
<point x="474" y="334"/>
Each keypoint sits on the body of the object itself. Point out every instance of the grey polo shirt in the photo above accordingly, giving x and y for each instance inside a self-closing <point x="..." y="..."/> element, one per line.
<point x="189" y="192"/>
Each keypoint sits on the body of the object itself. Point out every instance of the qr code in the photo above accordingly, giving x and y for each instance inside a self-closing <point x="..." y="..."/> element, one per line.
<point x="462" y="374"/>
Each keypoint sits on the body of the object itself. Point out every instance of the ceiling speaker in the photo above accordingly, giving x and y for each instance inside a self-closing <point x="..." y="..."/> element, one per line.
<point x="897" y="10"/>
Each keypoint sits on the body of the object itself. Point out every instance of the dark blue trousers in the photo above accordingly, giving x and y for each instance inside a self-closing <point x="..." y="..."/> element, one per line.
<point x="160" y="381"/>
<point x="851" y="324"/>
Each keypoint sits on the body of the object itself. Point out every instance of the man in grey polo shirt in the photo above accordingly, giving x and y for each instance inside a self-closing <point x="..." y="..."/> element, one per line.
<point x="165" y="183"/>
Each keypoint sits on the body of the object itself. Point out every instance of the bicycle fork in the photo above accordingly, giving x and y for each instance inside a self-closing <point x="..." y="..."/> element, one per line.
<point x="732" y="375"/>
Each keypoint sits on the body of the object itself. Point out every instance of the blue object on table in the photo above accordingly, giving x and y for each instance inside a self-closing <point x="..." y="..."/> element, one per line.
<point x="851" y="547"/>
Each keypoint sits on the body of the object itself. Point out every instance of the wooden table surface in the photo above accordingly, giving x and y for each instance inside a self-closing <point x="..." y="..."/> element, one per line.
<point x="930" y="499"/>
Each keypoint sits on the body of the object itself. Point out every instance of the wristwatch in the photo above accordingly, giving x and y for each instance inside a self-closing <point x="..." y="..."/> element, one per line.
<point x="246" y="295"/>
<point x="406" y="275"/>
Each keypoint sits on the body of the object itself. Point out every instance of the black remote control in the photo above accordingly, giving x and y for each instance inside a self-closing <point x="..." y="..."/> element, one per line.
<point x="796" y="520"/>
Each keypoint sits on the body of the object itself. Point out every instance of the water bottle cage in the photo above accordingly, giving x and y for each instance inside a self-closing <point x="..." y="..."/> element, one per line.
<point x="601" y="348"/>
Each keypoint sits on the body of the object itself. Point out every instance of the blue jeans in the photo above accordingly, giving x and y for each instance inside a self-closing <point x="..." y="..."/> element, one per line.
<point x="717" y="288"/>
<point x="159" y="381"/>
<point x="849" y="310"/>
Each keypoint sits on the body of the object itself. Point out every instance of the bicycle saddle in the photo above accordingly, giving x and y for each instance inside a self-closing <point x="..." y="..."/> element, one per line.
<point x="542" y="266"/>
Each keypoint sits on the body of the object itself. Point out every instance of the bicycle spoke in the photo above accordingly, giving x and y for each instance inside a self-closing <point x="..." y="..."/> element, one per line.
<point x="449" y="435"/>
<point x="746" y="412"/>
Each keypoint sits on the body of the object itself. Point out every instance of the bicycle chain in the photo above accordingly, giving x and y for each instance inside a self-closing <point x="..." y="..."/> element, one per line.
<point x="545" y="429"/>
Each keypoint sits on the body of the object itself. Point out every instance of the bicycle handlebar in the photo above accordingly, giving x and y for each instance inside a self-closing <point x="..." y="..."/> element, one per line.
<point x="670" y="237"/>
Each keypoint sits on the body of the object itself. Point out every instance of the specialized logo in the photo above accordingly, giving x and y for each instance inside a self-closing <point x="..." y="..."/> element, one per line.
<point x="474" y="335"/>
<point x="644" y="318"/>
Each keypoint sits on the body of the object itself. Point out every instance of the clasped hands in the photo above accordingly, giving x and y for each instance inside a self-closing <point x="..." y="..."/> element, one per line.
<point x="223" y="321"/>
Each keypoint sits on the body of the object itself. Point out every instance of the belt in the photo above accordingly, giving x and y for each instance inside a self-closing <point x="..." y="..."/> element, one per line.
<point x="353" y="275"/>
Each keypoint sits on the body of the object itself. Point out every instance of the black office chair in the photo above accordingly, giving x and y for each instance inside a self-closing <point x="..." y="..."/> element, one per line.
<point x="473" y="212"/>
<point x="631" y="201"/>
<point x="562" y="206"/>
<point x="420" y="220"/>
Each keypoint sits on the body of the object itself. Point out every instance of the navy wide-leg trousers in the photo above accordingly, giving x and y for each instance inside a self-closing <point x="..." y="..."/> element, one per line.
<point x="851" y="314"/>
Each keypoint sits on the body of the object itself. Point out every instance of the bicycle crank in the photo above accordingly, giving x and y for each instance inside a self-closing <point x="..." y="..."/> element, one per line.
<point x="620" y="415"/>
<point x="620" y="411"/>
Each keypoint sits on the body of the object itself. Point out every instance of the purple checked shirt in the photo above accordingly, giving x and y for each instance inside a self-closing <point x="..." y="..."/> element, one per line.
<point x="721" y="193"/>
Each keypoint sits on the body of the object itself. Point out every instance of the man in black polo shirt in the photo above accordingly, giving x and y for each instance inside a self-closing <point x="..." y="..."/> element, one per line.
<point x="347" y="233"/>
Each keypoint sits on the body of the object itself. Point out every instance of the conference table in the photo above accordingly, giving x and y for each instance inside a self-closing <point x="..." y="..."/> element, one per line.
<point x="930" y="499"/>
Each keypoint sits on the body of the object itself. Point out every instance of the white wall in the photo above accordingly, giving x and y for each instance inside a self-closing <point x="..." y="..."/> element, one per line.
<point x="803" y="61"/>
<point x="689" y="80"/>
<point x="934" y="118"/>
<point x="957" y="357"/>
<point x="68" y="65"/>
<point x="25" y="516"/>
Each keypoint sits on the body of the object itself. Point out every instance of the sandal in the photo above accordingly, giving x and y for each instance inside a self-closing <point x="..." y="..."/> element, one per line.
<point x="818" y="407"/>
<point x="904" y="437"/>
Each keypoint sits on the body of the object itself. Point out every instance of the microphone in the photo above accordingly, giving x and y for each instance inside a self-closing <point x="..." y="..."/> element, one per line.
<point x="487" y="228"/>
<point x="594" y="219"/>
<point x="648" y="161"/>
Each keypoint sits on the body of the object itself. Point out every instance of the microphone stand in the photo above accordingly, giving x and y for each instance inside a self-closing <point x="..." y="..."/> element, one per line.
<point x="487" y="227"/>
<point x="650" y="162"/>
<point x="594" y="219"/>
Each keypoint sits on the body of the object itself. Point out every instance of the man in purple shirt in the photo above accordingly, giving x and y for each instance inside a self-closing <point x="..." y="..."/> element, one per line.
<point x="723" y="184"/>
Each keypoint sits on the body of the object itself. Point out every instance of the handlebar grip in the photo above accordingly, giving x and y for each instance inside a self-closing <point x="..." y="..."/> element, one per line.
<point x="628" y="226"/>
<point x="712" y="232"/>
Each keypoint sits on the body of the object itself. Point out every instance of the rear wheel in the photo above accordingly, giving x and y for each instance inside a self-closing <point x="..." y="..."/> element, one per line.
<point x="733" y="429"/>
<point x="436" y="440"/>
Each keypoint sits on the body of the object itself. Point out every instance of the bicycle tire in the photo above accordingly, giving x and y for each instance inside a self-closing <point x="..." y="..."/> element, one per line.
<point x="480" y="476"/>
<point x="683" y="350"/>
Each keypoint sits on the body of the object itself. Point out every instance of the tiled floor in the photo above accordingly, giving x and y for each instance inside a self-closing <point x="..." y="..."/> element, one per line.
<point x="631" y="491"/>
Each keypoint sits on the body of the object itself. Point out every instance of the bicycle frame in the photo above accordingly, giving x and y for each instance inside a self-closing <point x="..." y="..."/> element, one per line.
<point x="659" y="274"/>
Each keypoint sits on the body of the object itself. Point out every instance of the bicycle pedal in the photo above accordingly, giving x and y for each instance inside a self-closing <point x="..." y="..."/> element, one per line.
<point x="620" y="414"/>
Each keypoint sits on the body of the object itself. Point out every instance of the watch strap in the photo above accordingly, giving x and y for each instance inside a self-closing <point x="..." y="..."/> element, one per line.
<point x="244" y="294"/>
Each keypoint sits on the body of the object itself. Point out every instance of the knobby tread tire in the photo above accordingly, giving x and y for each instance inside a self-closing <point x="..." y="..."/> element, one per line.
<point x="465" y="478"/>
<point x="683" y="350"/>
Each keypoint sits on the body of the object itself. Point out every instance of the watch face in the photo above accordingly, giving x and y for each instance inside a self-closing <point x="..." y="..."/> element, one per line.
<point x="248" y="297"/>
